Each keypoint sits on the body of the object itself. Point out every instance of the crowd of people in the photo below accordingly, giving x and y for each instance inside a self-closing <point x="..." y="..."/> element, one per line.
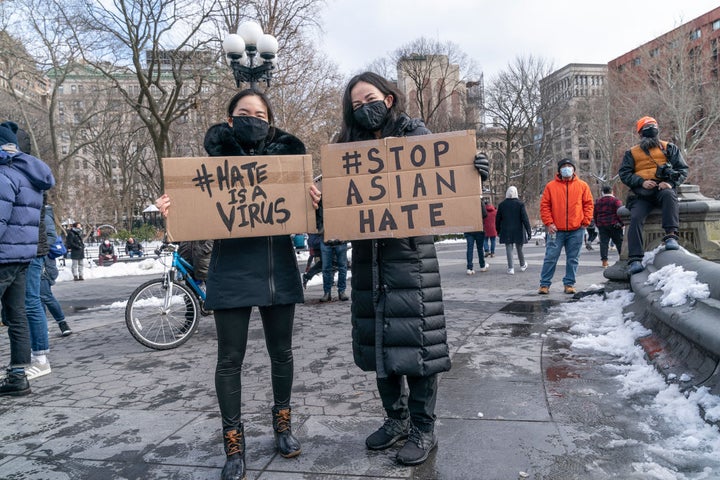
<point x="395" y="286"/>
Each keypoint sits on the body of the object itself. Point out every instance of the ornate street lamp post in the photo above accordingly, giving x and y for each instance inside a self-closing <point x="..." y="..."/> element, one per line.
<point x="241" y="49"/>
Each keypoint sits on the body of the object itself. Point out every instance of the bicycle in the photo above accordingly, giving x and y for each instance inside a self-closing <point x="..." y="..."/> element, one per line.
<point x="165" y="312"/>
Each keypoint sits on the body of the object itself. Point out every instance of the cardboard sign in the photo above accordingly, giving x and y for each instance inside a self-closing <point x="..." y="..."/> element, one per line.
<point x="228" y="197"/>
<point x="401" y="187"/>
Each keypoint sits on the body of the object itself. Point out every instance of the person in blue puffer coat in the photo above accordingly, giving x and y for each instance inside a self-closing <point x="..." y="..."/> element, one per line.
<point x="23" y="179"/>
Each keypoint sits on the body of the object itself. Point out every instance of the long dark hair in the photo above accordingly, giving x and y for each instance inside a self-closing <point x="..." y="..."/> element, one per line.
<point x="247" y="92"/>
<point x="270" y="115"/>
<point x="351" y="131"/>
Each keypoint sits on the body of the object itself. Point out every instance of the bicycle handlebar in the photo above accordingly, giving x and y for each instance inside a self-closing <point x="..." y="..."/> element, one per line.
<point x="165" y="247"/>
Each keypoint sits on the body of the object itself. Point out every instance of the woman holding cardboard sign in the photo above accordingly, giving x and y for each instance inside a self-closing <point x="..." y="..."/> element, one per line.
<point x="398" y="322"/>
<point x="248" y="272"/>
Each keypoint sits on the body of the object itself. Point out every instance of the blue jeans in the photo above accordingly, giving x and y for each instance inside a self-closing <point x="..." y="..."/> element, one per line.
<point x="49" y="300"/>
<point x="12" y="297"/>
<point x="39" y="342"/>
<point x="572" y="241"/>
<point x="133" y="253"/>
<point x="475" y="239"/>
<point x="327" y="252"/>
<point x="489" y="244"/>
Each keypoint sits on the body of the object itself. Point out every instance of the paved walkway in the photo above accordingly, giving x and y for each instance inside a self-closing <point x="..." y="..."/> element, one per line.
<point x="113" y="409"/>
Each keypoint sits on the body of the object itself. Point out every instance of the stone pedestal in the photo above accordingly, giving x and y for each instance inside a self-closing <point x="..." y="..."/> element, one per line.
<point x="699" y="225"/>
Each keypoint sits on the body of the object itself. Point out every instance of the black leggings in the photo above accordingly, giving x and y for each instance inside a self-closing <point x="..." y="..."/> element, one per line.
<point x="232" y="332"/>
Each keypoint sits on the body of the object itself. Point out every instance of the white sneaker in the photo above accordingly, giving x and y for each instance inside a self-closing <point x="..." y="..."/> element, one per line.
<point x="37" y="370"/>
<point x="511" y="271"/>
<point x="485" y="268"/>
<point x="470" y="272"/>
<point x="523" y="267"/>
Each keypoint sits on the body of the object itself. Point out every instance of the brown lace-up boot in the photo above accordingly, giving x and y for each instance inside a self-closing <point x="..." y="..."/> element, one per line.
<point x="287" y="445"/>
<point x="234" y="441"/>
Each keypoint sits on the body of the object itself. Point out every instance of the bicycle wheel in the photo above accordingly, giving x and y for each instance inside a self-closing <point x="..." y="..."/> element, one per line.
<point x="160" y="317"/>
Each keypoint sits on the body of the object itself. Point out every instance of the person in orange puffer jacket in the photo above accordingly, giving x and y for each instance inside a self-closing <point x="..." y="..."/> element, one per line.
<point x="566" y="208"/>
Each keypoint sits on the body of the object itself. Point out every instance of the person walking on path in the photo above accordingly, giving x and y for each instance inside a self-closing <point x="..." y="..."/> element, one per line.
<point x="314" y="261"/>
<point x="513" y="226"/>
<point x="249" y="272"/>
<point x="49" y="275"/>
<point x="76" y="248"/>
<point x="395" y="290"/>
<point x="476" y="240"/>
<point x="652" y="169"/>
<point x="490" y="230"/>
<point x="23" y="179"/>
<point x="609" y="225"/>
<point x="566" y="208"/>
<point x="37" y="320"/>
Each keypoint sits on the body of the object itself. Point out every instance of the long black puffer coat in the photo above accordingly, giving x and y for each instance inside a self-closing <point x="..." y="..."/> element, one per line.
<point x="258" y="271"/>
<point x="512" y="222"/>
<point x="397" y="308"/>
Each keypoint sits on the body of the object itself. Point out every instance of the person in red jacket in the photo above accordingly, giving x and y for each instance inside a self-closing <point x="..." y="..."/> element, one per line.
<point x="566" y="208"/>
<point x="490" y="230"/>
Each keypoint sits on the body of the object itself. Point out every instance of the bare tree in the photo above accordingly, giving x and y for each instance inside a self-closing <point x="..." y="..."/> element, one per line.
<point x="435" y="75"/>
<point x="48" y="28"/>
<point x="306" y="88"/>
<point x="676" y="82"/>
<point x="165" y="46"/>
<point x="513" y="106"/>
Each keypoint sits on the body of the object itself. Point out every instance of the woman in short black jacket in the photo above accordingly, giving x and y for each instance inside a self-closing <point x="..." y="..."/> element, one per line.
<point x="248" y="272"/>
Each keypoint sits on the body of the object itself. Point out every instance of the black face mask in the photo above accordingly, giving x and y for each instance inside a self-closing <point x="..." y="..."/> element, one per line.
<point x="371" y="116"/>
<point x="649" y="132"/>
<point x="250" y="130"/>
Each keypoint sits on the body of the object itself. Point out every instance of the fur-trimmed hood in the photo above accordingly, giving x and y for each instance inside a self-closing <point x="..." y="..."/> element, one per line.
<point x="220" y="141"/>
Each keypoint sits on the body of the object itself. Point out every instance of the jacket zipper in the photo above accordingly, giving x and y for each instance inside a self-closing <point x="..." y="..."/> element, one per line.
<point x="271" y="279"/>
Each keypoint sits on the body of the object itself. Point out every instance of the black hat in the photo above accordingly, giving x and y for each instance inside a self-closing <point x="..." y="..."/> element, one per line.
<point x="565" y="161"/>
<point x="23" y="141"/>
<point x="7" y="133"/>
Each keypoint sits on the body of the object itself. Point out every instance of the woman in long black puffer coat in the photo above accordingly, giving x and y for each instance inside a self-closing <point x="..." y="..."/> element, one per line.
<point x="248" y="272"/>
<point x="397" y="312"/>
<point x="513" y="227"/>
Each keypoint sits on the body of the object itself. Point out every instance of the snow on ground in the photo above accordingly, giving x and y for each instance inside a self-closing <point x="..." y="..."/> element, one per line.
<point x="601" y="325"/>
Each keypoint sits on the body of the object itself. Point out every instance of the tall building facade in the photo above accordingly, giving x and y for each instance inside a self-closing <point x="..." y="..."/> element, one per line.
<point x="572" y="99"/>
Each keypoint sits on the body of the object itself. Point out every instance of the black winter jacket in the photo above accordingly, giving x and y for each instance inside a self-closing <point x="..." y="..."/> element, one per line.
<point x="259" y="271"/>
<point x="512" y="222"/>
<point x="398" y="320"/>
<point x="75" y="244"/>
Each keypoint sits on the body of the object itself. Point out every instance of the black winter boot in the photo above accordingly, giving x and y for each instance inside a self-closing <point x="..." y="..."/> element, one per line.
<point x="234" y="441"/>
<point x="14" y="384"/>
<point x="287" y="445"/>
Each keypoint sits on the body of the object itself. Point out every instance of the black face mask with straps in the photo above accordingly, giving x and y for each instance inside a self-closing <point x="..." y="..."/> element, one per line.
<point x="250" y="130"/>
<point x="371" y="116"/>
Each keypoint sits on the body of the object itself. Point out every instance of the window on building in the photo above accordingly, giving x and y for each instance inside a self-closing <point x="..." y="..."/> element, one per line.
<point x="695" y="34"/>
<point x="73" y="88"/>
<point x="716" y="25"/>
<point x="637" y="61"/>
<point x="655" y="52"/>
<point x="584" y="154"/>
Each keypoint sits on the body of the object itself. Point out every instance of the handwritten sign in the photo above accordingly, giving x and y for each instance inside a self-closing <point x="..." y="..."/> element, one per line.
<point x="227" y="197"/>
<point x="400" y="187"/>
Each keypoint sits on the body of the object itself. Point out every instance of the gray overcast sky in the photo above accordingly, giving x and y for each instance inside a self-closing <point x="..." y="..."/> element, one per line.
<point x="493" y="33"/>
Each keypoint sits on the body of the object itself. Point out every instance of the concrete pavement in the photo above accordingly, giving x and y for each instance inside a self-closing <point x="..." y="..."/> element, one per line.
<point x="511" y="407"/>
